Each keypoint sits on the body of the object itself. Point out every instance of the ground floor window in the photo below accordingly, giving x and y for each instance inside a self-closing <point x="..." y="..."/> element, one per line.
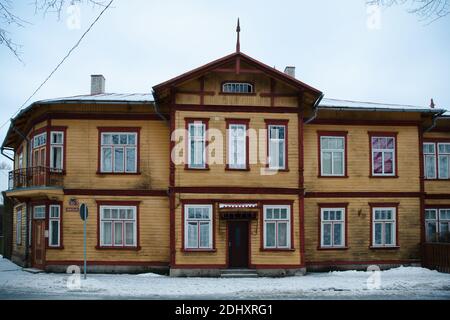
<point x="332" y="227"/>
<point x="384" y="226"/>
<point x="437" y="225"/>
<point x="54" y="226"/>
<point x="277" y="227"/>
<point x="118" y="226"/>
<point x="198" y="226"/>
<point x="19" y="226"/>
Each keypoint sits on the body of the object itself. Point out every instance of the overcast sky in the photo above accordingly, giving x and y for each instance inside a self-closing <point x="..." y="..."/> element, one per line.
<point x="137" y="44"/>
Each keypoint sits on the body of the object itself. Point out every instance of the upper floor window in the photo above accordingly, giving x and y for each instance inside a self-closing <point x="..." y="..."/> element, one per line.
<point x="237" y="87"/>
<point x="198" y="226"/>
<point x="40" y="140"/>
<point x="237" y="145"/>
<point x="56" y="150"/>
<point x="197" y="144"/>
<point x="332" y="154"/>
<point x="277" y="145"/>
<point x="383" y="155"/>
<point x="436" y="160"/>
<point x="119" y="152"/>
<point x="277" y="227"/>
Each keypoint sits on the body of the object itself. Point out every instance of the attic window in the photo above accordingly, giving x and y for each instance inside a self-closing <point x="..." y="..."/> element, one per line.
<point x="237" y="87"/>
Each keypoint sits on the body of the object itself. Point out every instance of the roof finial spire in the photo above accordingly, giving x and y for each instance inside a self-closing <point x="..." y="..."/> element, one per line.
<point x="238" y="42"/>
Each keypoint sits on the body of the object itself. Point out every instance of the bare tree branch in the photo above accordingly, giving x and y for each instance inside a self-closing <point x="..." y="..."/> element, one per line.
<point x="426" y="10"/>
<point x="10" y="20"/>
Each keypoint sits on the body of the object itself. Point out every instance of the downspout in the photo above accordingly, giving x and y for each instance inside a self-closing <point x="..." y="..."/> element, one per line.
<point x="155" y="107"/>
<point x="6" y="155"/>
<point x="433" y="124"/>
<point x="316" y="109"/>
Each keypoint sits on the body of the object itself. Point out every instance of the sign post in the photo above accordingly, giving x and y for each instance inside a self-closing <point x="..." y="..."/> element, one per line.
<point x="84" y="216"/>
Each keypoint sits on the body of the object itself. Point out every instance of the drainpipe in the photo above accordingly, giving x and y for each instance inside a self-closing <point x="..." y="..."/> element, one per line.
<point x="433" y="124"/>
<point x="155" y="107"/>
<point x="316" y="109"/>
<point x="6" y="155"/>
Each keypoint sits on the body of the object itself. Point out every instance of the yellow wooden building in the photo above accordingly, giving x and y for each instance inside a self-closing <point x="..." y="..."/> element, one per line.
<point x="233" y="165"/>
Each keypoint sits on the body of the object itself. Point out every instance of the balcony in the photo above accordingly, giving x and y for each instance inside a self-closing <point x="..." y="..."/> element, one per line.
<point x="35" y="177"/>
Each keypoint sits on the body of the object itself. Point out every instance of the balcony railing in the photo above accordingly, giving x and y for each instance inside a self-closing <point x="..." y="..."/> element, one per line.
<point x="35" y="177"/>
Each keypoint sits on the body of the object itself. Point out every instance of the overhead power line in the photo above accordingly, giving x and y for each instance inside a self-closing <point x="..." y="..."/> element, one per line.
<point x="60" y="63"/>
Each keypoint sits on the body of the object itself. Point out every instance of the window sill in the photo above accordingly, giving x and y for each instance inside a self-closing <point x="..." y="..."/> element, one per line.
<point x="237" y="93"/>
<point x="384" y="248"/>
<point x="277" y="249"/>
<point x="118" y="248"/>
<point x="332" y="248"/>
<point x="118" y="173"/>
<point x="197" y="250"/>
<point x="332" y="177"/>
<point x="436" y="179"/>
<point x="237" y="169"/>
<point x="55" y="248"/>
<point x="196" y="169"/>
<point x="384" y="177"/>
<point x="277" y="170"/>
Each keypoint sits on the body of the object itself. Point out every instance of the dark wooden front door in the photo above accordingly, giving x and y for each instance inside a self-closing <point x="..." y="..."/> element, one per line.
<point x="38" y="247"/>
<point x="238" y="244"/>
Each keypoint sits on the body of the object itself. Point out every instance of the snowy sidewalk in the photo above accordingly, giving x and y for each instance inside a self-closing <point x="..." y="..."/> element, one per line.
<point x="407" y="282"/>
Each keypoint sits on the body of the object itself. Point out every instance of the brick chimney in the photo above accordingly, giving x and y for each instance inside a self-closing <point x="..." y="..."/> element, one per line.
<point x="97" y="84"/>
<point x="432" y="104"/>
<point x="290" y="71"/>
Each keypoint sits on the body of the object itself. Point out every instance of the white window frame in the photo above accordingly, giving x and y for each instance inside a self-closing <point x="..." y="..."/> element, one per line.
<point x="277" y="222"/>
<point x="115" y="221"/>
<point x="34" y="212"/>
<point x="36" y="139"/>
<point x="235" y="139"/>
<point x="198" y="221"/>
<point x="52" y="219"/>
<point x="383" y="151"/>
<point x="237" y="87"/>
<point x="429" y="154"/>
<point x="383" y="230"/>
<point x="19" y="218"/>
<point x="332" y="151"/>
<point x="332" y="222"/>
<point x="53" y="146"/>
<point x="119" y="145"/>
<point x="195" y="138"/>
<point x="439" y="154"/>
<point x="272" y="165"/>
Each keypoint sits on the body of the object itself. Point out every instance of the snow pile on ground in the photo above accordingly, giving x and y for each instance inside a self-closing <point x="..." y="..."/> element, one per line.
<point x="402" y="280"/>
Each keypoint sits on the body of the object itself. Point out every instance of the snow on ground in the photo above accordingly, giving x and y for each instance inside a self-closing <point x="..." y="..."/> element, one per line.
<point x="404" y="280"/>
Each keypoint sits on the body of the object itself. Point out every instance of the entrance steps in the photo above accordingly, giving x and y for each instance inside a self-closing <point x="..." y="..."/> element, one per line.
<point x="238" y="273"/>
<point x="32" y="270"/>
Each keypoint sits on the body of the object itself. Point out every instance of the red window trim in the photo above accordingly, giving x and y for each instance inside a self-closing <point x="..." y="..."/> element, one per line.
<point x="435" y="141"/>
<point x="183" y="214"/>
<point x="188" y="121"/>
<point x="246" y="122"/>
<point x="136" y="130"/>
<point x="282" y="122"/>
<point x="289" y="203"/>
<point x="221" y="92"/>
<point x="332" y="134"/>
<point x="343" y="205"/>
<point x="383" y="134"/>
<point x="119" y="203"/>
<point x="47" y="204"/>
<point x="395" y="205"/>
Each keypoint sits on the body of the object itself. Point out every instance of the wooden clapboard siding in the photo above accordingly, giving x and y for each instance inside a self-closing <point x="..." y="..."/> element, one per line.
<point x="218" y="176"/>
<point x="153" y="226"/>
<point x="358" y="166"/>
<point x="438" y="202"/>
<point x="218" y="257"/>
<point x="359" y="224"/>
<point x="82" y="155"/>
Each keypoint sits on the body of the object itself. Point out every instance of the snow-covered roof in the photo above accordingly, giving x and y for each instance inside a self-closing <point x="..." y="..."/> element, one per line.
<point x="327" y="103"/>
<point x="104" y="97"/>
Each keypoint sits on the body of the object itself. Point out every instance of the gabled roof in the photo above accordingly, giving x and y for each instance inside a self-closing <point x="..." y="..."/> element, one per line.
<point x="230" y="58"/>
